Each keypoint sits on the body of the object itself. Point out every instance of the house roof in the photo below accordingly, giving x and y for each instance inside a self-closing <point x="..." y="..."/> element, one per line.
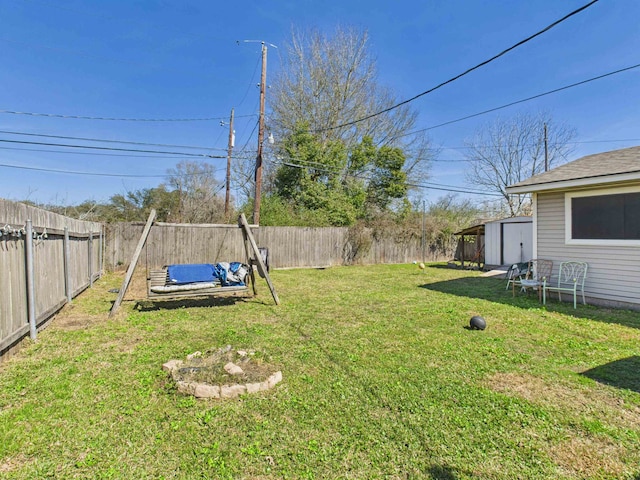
<point x="617" y="166"/>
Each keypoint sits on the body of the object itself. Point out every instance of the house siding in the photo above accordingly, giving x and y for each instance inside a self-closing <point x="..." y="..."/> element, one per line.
<point x="613" y="276"/>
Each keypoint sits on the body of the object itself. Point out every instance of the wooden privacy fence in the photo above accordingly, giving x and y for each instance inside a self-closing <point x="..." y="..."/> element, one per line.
<point x="288" y="247"/>
<point x="45" y="259"/>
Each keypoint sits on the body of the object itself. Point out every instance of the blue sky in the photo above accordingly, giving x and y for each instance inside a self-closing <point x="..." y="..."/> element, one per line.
<point x="167" y="60"/>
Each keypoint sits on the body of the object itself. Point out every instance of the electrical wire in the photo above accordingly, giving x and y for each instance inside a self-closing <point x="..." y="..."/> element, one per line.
<point x="200" y="155"/>
<point x="469" y="70"/>
<point x="455" y="190"/>
<point x="115" y="119"/>
<point x="244" y="148"/>
<point x="95" y="174"/>
<point x="433" y="186"/>
<point x="555" y="90"/>
<point x="62" y="152"/>
<point x="251" y="83"/>
<point x="571" y="143"/>
<point x="108" y="141"/>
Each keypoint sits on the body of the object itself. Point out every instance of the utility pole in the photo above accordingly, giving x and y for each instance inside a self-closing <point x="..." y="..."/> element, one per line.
<point x="230" y="148"/>
<point x="258" y="176"/>
<point x="424" y="233"/>
<point x="546" y="150"/>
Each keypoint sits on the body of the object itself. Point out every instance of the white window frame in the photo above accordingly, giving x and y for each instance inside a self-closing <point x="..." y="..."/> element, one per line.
<point x="568" y="196"/>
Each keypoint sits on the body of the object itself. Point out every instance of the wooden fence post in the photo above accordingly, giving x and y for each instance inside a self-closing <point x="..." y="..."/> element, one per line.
<point x="101" y="254"/>
<point x="67" y="272"/>
<point x="90" y="253"/>
<point x="31" y="297"/>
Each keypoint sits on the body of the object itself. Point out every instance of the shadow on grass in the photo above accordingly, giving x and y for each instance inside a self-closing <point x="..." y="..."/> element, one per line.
<point x="153" y="305"/>
<point x="493" y="290"/>
<point x="623" y="373"/>
<point x="439" y="472"/>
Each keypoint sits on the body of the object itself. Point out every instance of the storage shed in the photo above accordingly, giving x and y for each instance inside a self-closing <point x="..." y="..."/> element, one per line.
<point x="508" y="241"/>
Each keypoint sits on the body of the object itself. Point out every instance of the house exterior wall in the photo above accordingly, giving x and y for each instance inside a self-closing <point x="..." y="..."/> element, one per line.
<point x="613" y="276"/>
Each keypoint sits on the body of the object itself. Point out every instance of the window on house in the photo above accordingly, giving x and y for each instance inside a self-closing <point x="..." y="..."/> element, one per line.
<point x="606" y="217"/>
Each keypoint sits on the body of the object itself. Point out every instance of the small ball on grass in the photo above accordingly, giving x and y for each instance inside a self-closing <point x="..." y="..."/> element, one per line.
<point x="477" y="323"/>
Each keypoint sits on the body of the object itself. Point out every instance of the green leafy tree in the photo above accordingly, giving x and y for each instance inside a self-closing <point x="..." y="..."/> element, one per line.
<point x="388" y="179"/>
<point x="329" y="82"/>
<point x="312" y="178"/>
<point x="340" y="187"/>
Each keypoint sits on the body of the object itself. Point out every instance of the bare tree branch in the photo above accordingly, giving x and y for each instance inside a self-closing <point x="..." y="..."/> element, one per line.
<point x="511" y="150"/>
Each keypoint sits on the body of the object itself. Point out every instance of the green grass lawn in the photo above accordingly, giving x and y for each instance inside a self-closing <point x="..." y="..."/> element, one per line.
<point x="381" y="380"/>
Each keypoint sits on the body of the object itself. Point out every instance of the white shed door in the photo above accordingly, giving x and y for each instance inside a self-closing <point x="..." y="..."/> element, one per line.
<point x="517" y="242"/>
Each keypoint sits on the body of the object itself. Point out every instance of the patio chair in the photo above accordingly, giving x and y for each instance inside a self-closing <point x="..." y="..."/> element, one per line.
<point x="516" y="271"/>
<point x="539" y="271"/>
<point x="571" y="277"/>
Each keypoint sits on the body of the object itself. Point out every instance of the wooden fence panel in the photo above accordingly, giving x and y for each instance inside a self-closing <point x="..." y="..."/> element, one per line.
<point x="302" y="246"/>
<point x="48" y="265"/>
<point x="289" y="247"/>
<point x="173" y="244"/>
<point x="79" y="267"/>
<point x="13" y="313"/>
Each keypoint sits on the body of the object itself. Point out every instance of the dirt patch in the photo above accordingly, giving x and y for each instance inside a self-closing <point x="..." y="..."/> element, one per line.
<point x="598" y="404"/>
<point x="138" y="286"/>
<point x="588" y="457"/>
<point x="584" y="454"/>
<point x="13" y="463"/>
<point x="75" y="321"/>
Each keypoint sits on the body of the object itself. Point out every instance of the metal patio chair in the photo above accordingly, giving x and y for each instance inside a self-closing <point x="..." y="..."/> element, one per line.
<point x="571" y="277"/>
<point x="539" y="271"/>
<point x="514" y="272"/>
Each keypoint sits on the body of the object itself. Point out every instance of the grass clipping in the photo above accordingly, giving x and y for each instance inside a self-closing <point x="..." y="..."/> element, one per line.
<point x="223" y="373"/>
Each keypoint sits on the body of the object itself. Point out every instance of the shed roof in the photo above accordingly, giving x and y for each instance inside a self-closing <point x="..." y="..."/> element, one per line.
<point x="474" y="230"/>
<point x="616" y="166"/>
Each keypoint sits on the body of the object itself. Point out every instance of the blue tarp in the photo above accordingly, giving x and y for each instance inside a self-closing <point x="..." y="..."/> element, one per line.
<point x="191" y="273"/>
<point x="224" y="273"/>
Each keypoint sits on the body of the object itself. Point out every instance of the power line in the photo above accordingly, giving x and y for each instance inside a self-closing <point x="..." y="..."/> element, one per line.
<point x="249" y="139"/>
<point x="108" y="141"/>
<point x="251" y="84"/>
<point x="433" y="186"/>
<point x="608" y="141"/>
<point x="93" y="174"/>
<point x="488" y="194"/>
<point x="59" y="152"/>
<point x="556" y="90"/>
<point x="453" y="79"/>
<point x="115" y="119"/>
<point x="572" y="143"/>
<point x="200" y="155"/>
